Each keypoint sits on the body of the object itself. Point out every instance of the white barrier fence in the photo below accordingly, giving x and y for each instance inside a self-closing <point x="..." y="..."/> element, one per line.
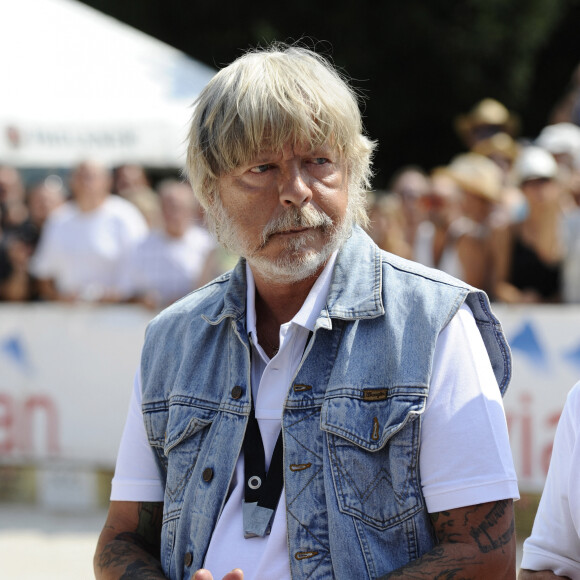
<point x="66" y="374"/>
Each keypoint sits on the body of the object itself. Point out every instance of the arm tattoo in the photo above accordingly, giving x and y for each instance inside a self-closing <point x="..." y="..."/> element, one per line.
<point x="149" y="527"/>
<point x="487" y="536"/>
<point x="138" y="551"/>
<point x="467" y="537"/>
<point x="140" y="570"/>
<point x="436" y="565"/>
<point x="122" y="552"/>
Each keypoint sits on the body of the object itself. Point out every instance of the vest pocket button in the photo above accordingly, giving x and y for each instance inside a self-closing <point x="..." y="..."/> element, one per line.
<point x="188" y="559"/>
<point x="237" y="392"/>
<point x="207" y="474"/>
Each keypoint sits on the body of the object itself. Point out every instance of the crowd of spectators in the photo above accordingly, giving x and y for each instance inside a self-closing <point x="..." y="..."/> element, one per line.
<point x="102" y="236"/>
<point x="502" y="215"/>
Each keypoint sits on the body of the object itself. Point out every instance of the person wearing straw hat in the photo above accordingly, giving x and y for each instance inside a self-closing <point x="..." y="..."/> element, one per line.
<point x="480" y="183"/>
<point x="485" y="119"/>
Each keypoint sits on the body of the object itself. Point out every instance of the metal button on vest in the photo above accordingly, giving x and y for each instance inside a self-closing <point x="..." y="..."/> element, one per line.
<point x="207" y="474"/>
<point x="188" y="559"/>
<point x="237" y="392"/>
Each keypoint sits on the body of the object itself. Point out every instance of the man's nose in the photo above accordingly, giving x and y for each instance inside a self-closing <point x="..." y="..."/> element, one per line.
<point x="294" y="189"/>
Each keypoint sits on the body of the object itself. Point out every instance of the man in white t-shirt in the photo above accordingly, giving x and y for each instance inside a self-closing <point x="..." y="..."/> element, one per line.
<point x="553" y="549"/>
<point x="171" y="262"/>
<point x="84" y="242"/>
<point x="326" y="409"/>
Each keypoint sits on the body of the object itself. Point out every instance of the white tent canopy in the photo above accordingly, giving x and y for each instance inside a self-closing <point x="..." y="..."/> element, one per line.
<point x="75" y="84"/>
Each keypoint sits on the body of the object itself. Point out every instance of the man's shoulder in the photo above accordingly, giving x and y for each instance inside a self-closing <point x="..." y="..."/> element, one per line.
<point x="361" y="250"/>
<point x="67" y="211"/>
<point x="573" y="400"/>
<point x="405" y="267"/>
<point x="118" y="207"/>
<point x="153" y="241"/>
<point x="207" y="301"/>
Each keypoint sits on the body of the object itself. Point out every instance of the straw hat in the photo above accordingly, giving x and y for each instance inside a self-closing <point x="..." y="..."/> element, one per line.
<point x="498" y="144"/>
<point x="486" y="112"/>
<point x="477" y="175"/>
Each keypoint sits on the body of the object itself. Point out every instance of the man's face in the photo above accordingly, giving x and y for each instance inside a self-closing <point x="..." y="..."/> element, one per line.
<point x="285" y="211"/>
<point x="476" y="207"/>
<point x="441" y="203"/>
<point x="177" y="209"/>
<point x="90" y="181"/>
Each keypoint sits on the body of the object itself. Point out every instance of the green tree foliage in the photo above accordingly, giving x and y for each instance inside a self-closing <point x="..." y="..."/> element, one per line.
<point x="418" y="63"/>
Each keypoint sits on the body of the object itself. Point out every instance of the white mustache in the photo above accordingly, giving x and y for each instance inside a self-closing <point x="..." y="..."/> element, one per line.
<point x="294" y="217"/>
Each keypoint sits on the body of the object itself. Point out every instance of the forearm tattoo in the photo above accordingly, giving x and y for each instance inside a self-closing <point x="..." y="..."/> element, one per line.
<point x="481" y="530"/>
<point x="490" y="534"/>
<point x="137" y="551"/>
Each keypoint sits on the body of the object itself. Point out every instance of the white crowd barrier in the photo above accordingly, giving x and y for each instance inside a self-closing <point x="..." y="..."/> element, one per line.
<point x="66" y="374"/>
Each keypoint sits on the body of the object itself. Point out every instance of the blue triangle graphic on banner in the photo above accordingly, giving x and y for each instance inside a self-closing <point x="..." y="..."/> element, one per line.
<point x="13" y="348"/>
<point x="573" y="356"/>
<point x="526" y="341"/>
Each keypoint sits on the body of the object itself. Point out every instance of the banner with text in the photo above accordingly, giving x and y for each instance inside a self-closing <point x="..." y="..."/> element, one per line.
<point x="66" y="374"/>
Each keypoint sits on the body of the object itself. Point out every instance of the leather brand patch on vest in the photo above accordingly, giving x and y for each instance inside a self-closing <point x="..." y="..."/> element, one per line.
<point x="301" y="388"/>
<point x="375" y="394"/>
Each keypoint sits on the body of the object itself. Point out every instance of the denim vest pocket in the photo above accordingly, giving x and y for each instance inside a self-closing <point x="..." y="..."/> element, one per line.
<point x="178" y="433"/>
<point x="373" y="447"/>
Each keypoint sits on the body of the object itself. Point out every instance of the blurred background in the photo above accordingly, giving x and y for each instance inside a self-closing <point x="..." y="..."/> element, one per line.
<point x="476" y="109"/>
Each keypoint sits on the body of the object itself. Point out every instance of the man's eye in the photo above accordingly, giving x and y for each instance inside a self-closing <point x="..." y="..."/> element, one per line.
<point x="260" y="168"/>
<point x="320" y="160"/>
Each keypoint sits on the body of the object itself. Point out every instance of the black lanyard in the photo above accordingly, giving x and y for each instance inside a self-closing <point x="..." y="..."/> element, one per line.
<point x="261" y="490"/>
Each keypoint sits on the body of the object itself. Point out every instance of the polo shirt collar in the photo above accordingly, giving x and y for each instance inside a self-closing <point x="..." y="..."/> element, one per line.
<point x="310" y="310"/>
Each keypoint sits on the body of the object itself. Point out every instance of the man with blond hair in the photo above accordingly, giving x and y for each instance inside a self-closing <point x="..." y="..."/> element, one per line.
<point x="325" y="409"/>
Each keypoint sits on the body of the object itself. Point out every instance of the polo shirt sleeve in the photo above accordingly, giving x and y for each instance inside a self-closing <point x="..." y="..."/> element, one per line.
<point x="465" y="452"/>
<point x="136" y="473"/>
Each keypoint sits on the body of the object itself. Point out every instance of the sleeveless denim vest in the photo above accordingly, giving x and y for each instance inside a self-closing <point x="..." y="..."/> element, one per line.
<point x="351" y="421"/>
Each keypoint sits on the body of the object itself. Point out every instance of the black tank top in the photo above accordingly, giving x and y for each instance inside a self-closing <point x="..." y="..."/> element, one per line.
<point x="529" y="272"/>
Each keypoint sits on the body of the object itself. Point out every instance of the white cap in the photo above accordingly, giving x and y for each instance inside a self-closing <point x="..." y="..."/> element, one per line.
<point x="561" y="138"/>
<point x="535" y="163"/>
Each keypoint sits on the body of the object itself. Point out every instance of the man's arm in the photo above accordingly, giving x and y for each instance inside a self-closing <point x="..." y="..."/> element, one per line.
<point x="476" y="542"/>
<point x="128" y="547"/>
<point x="540" y="575"/>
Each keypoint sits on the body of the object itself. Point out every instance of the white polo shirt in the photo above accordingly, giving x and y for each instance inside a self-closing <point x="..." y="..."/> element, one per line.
<point x="555" y="540"/>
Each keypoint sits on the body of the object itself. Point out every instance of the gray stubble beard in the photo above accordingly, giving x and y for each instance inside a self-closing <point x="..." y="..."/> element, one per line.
<point x="291" y="265"/>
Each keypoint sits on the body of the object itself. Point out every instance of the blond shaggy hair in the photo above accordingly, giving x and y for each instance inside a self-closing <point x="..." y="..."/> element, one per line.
<point x="267" y="98"/>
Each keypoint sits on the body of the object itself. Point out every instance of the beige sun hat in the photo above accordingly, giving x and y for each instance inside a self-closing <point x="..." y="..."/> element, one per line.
<point x="476" y="174"/>
<point x="498" y="144"/>
<point x="486" y="112"/>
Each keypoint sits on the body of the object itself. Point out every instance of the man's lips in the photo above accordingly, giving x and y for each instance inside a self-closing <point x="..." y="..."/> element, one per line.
<point x="292" y="231"/>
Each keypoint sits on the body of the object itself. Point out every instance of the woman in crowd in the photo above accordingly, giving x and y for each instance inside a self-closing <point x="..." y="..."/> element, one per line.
<point x="531" y="251"/>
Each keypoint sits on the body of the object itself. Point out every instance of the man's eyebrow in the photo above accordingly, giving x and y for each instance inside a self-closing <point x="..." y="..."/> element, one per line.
<point x="262" y="157"/>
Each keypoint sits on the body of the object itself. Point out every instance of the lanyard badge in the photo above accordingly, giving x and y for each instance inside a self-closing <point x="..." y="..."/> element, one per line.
<point x="261" y="490"/>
